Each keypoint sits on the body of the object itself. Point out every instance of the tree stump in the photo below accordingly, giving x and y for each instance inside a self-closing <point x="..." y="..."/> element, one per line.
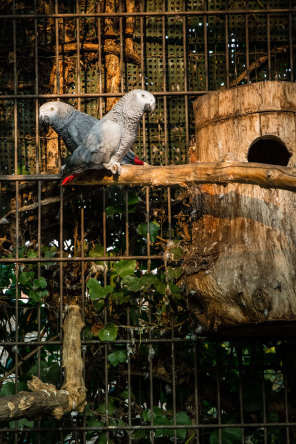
<point x="240" y="267"/>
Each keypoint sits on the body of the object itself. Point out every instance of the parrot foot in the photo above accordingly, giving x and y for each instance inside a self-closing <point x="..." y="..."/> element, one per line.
<point x="113" y="166"/>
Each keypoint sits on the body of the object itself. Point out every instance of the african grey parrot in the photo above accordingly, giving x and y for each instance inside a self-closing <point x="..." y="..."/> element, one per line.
<point x="111" y="138"/>
<point x="73" y="126"/>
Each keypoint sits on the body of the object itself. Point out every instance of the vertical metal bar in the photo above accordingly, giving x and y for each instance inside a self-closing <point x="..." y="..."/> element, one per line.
<point x="218" y="392"/>
<point x="247" y="45"/>
<point x="126" y="224"/>
<point x="105" y="321"/>
<point x="268" y="47"/>
<point x="57" y="55"/>
<point x="286" y="398"/>
<point x="100" y="59"/>
<point x="145" y="159"/>
<point x="205" y="21"/>
<point x="61" y="238"/>
<point x="152" y="434"/>
<point x="78" y="56"/>
<point x="240" y="389"/>
<point x="185" y="62"/>
<point x="83" y="433"/>
<point x="39" y="188"/>
<point x="174" y="377"/>
<point x="82" y="293"/>
<point x="15" y="88"/>
<point x="121" y="48"/>
<point x="291" y="18"/>
<point x="164" y="78"/>
<point x="129" y="391"/>
<point x="263" y="395"/>
<point x="227" y="47"/>
<point x="196" y="393"/>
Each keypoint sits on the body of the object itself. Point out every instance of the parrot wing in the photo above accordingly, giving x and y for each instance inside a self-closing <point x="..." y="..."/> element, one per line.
<point x="80" y="126"/>
<point x="96" y="149"/>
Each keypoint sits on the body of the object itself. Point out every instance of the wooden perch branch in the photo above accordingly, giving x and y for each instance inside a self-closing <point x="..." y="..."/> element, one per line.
<point x="267" y="176"/>
<point x="46" y="399"/>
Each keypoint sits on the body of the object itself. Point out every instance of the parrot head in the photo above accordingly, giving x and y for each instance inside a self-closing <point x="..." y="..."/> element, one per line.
<point x="53" y="113"/>
<point x="144" y="100"/>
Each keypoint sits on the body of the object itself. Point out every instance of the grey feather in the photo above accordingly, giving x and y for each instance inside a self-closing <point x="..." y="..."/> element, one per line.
<point x="108" y="140"/>
<point x="71" y="125"/>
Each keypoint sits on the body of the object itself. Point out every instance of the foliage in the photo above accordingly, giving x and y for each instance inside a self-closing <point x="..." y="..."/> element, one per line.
<point x="127" y="304"/>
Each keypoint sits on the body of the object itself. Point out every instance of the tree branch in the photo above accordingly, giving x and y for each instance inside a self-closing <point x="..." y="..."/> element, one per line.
<point x="266" y="176"/>
<point x="46" y="399"/>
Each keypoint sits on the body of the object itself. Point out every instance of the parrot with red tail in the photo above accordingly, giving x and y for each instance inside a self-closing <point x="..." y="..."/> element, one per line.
<point x="97" y="144"/>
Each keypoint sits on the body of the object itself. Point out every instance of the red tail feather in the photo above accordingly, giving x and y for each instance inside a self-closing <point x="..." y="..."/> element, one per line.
<point x="69" y="179"/>
<point x="137" y="161"/>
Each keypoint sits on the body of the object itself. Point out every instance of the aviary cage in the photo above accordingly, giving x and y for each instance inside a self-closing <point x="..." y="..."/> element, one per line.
<point x="151" y="376"/>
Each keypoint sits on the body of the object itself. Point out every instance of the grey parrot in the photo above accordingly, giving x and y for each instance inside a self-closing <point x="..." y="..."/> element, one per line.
<point x="73" y="126"/>
<point x="112" y="137"/>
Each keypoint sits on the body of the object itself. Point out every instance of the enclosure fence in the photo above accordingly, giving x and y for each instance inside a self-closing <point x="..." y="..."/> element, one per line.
<point x="151" y="374"/>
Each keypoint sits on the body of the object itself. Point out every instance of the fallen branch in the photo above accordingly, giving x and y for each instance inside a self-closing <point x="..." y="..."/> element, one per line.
<point x="256" y="64"/>
<point x="266" y="176"/>
<point x="46" y="399"/>
<point x="33" y="206"/>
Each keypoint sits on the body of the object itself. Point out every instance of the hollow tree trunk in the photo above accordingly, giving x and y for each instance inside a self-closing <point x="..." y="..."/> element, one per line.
<point x="240" y="267"/>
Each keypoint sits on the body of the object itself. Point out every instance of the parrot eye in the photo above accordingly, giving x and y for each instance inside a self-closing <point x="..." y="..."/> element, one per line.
<point x="143" y="95"/>
<point x="52" y="108"/>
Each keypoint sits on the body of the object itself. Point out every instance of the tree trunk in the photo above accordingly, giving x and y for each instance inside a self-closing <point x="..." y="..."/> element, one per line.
<point x="240" y="267"/>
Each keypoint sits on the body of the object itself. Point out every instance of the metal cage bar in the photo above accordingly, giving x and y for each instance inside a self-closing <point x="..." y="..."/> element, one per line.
<point x="160" y="382"/>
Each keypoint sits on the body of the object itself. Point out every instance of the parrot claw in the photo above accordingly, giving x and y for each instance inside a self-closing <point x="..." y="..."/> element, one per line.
<point x="113" y="166"/>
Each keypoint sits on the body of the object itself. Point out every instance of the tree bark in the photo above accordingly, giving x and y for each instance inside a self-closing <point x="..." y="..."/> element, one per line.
<point x="223" y="173"/>
<point x="46" y="399"/>
<point x="240" y="265"/>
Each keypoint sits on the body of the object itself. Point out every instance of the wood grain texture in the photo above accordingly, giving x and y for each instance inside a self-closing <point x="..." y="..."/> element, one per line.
<point x="223" y="173"/>
<point x="240" y="264"/>
<point x="45" y="399"/>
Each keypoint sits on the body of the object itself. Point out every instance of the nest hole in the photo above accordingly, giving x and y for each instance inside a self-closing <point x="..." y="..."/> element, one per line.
<point x="269" y="150"/>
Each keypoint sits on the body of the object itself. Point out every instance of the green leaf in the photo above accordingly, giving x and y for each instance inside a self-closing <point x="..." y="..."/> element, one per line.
<point x="146" y="415"/>
<point x="8" y="389"/>
<point x="37" y="296"/>
<point x="132" y="283"/>
<point x="139" y="434"/>
<point x="102" y="438"/>
<point x="116" y="357"/>
<point x="154" y="228"/>
<point x="109" y="332"/>
<point x="99" y="305"/>
<point x="162" y="420"/>
<point x="111" y="407"/>
<point x="177" y="253"/>
<point x="31" y="253"/>
<point x="120" y="297"/>
<point x="40" y="283"/>
<point x="49" y="252"/>
<point x="113" y="210"/>
<point x="96" y="291"/>
<point x="182" y="418"/>
<point x="176" y="292"/>
<point x="133" y="198"/>
<point x="161" y="287"/>
<point x="23" y="422"/>
<point x="174" y="273"/>
<point x="124" y="267"/>
<point x="229" y="436"/>
<point x="26" y="277"/>
<point x="149" y="279"/>
<point x="98" y="250"/>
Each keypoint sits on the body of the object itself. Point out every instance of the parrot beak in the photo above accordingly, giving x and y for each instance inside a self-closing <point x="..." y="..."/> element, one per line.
<point x="150" y="107"/>
<point x="43" y="121"/>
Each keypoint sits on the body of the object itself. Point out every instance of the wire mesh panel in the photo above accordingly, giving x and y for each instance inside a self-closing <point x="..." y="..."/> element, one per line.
<point x="117" y="252"/>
